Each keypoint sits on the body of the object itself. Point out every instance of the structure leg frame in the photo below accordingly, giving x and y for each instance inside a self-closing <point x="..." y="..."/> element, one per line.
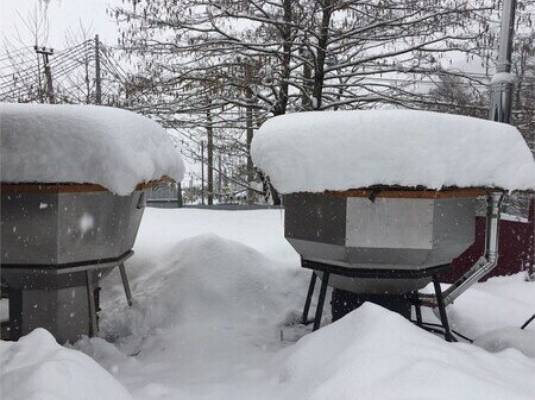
<point x="321" y="301"/>
<point x="442" y="310"/>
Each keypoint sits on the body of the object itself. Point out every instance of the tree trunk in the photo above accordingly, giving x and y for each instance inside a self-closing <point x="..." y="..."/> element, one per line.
<point x="319" y="76"/>
<point x="250" y="131"/>
<point x="210" y="155"/>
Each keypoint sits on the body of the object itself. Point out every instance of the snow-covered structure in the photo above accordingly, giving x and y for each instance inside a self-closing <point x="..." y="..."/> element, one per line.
<point x="381" y="201"/>
<point x="73" y="186"/>
<point x="343" y="150"/>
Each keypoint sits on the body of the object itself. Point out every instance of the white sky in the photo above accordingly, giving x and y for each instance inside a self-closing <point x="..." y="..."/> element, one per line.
<point x="63" y="15"/>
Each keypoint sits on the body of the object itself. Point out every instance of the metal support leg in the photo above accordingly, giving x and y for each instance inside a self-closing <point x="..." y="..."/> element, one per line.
<point x="321" y="301"/>
<point x="442" y="310"/>
<point x="311" y="286"/>
<point x="418" y="310"/>
<point x="529" y="321"/>
<point x="126" y="285"/>
<point x="93" y="328"/>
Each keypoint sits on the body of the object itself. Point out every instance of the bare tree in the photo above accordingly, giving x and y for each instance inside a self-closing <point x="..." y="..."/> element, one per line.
<point x="260" y="58"/>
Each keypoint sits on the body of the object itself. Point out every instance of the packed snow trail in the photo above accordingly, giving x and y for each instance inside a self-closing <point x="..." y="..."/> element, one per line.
<point x="217" y="297"/>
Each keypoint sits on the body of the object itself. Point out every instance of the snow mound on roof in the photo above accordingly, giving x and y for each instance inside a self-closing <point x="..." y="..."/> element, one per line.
<point x="37" y="368"/>
<point x="341" y="150"/>
<point x="373" y="353"/>
<point x="114" y="148"/>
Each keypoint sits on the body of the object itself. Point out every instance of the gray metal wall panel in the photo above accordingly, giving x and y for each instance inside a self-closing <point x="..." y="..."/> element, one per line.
<point x="28" y="228"/>
<point x="454" y="226"/>
<point x="393" y="233"/>
<point x="51" y="228"/>
<point x="315" y="216"/>
<point x="390" y="223"/>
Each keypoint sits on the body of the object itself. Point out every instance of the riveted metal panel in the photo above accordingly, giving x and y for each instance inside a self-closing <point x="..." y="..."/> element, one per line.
<point x="315" y="216"/>
<point x="28" y="228"/>
<point x="453" y="227"/>
<point x="389" y="223"/>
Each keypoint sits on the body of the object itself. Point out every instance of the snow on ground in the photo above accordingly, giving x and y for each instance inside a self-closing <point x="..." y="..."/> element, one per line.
<point x="217" y="297"/>
<point x="341" y="150"/>
<point x="376" y="354"/>
<point x="506" y="338"/>
<point x="37" y="368"/>
<point x="114" y="148"/>
<point x="501" y="302"/>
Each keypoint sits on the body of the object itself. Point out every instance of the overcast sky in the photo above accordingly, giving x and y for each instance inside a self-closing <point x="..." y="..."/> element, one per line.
<point x="65" y="15"/>
<point x="62" y="16"/>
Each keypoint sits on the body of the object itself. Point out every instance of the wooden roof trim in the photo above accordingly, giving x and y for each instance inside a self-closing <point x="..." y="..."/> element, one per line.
<point x="67" y="187"/>
<point x="409" y="193"/>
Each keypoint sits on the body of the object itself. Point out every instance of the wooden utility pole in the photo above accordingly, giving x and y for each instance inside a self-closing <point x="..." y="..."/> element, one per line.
<point x="39" y="82"/>
<point x="46" y="53"/>
<point x="202" y="172"/>
<point x="210" y="156"/>
<point x="220" y="178"/>
<point x="98" y="81"/>
<point x="179" y="198"/>
<point x="249" y="128"/>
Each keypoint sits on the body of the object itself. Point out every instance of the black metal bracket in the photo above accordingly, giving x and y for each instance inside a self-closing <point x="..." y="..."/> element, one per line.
<point x="321" y="300"/>
<point x="126" y="285"/>
<point x="327" y="269"/>
<point x="308" y="301"/>
<point x="373" y="273"/>
<point x="442" y="310"/>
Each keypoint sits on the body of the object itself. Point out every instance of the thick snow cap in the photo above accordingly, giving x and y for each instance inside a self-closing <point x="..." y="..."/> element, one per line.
<point x="114" y="148"/>
<point x="342" y="150"/>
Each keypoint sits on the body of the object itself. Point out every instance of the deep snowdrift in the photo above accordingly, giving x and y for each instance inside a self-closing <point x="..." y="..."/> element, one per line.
<point x="341" y="150"/>
<point x="376" y="354"/>
<point x="206" y="278"/>
<point x="507" y="338"/>
<point x="219" y="297"/>
<point x="37" y="368"/>
<point x="114" y="148"/>
<point x="215" y="319"/>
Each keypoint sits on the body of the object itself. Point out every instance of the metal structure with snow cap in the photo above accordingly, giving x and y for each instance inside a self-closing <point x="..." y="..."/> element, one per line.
<point x="59" y="238"/>
<point x="57" y="242"/>
<point x="399" y="228"/>
<point x="378" y="224"/>
<point x="378" y="203"/>
<point x="386" y="244"/>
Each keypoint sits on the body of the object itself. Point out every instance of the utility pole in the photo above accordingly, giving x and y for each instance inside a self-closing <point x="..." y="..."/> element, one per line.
<point x="40" y="87"/>
<point x="503" y="82"/>
<point x="249" y="129"/>
<point x="179" y="198"/>
<point x="220" y="178"/>
<point x="46" y="53"/>
<point x="202" y="172"/>
<point x="210" y="157"/>
<point x="98" y="82"/>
